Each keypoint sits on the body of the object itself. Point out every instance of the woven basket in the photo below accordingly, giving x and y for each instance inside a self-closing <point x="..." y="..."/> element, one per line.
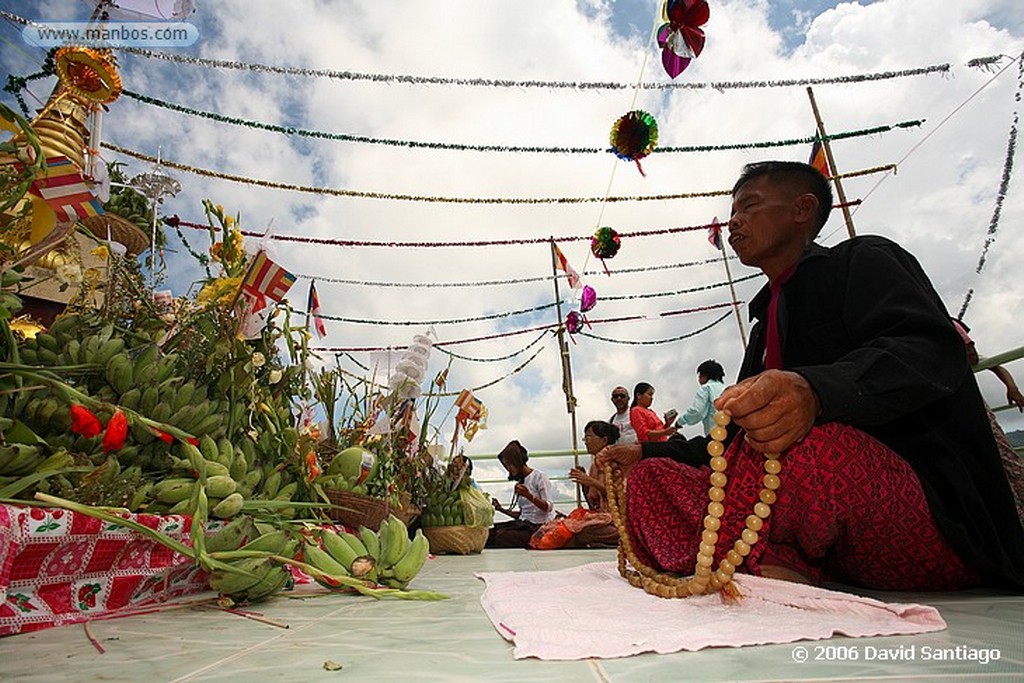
<point x="455" y="540"/>
<point x="357" y="510"/>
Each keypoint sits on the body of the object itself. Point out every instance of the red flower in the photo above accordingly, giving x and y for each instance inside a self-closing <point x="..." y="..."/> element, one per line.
<point x="117" y="431"/>
<point x="84" y="421"/>
<point x="163" y="436"/>
<point x="193" y="440"/>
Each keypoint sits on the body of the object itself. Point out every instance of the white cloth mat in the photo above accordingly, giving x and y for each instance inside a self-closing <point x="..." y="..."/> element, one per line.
<point x="592" y="612"/>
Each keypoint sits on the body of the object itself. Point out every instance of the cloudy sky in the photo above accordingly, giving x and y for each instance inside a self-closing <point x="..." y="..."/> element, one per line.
<point x="939" y="204"/>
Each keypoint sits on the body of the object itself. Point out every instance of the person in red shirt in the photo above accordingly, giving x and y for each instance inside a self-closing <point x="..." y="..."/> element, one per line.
<point x="646" y="423"/>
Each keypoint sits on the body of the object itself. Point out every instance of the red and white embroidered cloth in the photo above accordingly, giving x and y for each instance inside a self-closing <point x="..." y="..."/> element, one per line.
<point x="57" y="567"/>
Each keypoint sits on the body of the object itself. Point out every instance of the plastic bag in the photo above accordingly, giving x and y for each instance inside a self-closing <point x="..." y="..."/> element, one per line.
<point x="476" y="507"/>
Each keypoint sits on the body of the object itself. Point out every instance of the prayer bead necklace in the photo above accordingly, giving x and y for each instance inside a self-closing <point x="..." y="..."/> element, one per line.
<point x="704" y="578"/>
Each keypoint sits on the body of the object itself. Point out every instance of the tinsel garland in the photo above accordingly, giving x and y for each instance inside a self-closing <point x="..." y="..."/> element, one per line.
<point x="450" y="321"/>
<point x="1004" y="183"/>
<point x="702" y="288"/>
<point x="652" y="342"/>
<point x="495" y="359"/>
<point x="414" y="144"/>
<point x="339" y="192"/>
<point x="720" y="86"/>
<point x="512" y="333"/>
<point x="491" y="383"/>
<point x="507" y="281"/>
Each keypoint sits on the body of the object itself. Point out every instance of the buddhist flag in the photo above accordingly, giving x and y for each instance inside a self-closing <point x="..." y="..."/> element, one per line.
<point x="818" y="159"/>
<point x="313" y="310"/>
<point x="266" y="280"/>
<point x="65" y="191"/>
<point x="562" y="263"/>
<point x="715" y="233"/>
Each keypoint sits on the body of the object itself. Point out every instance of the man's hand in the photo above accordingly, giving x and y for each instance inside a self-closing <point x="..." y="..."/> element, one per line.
<point x="775" y="409"/>
<point x="621" y="456"/>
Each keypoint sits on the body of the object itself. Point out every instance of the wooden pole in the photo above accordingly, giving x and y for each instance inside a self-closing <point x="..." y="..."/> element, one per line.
<point x="831" y="164"/>
<point x="732" y="288"/>
<point x="563" y="353"/>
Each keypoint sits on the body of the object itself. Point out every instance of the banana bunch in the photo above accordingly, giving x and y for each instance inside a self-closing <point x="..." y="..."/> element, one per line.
<point x="388" y="557"/>
<point x="222" y="491"/>
<point x="443" y="508"/>
<point x="18" y="459"/>
<point x="256" y="577"/>
<point x="130" y="205"/>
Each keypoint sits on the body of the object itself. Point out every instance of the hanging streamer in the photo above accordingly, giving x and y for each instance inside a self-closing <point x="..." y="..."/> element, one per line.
<point x="1004" y="184"/>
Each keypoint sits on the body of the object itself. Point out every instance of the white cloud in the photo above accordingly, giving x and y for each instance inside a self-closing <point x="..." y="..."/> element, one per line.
<point x="938" y="204"/>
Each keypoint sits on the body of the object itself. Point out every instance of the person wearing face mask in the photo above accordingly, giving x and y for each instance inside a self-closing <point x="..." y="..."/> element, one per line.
<point x="532" y="501"/>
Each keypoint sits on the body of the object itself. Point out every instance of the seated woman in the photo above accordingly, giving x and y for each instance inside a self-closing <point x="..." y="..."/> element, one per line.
<point x="532" y="494"/>
<point x="591" y="527"/>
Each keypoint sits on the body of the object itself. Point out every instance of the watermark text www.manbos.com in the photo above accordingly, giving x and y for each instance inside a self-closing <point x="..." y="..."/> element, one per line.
<point x="899" y="653"/>
<point x="155" y="34"/>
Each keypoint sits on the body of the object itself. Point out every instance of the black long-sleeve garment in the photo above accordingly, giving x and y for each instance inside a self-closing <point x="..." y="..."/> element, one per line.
<point x="863" y="324"/>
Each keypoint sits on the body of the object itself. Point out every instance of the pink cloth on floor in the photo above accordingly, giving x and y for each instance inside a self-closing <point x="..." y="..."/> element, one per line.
<point x="592" y="612"/>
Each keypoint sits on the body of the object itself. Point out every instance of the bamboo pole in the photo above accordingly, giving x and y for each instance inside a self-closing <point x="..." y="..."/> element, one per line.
<point x="732" y="287"/>
<point x="832" y="164"/>
<point x="563" y="353"/>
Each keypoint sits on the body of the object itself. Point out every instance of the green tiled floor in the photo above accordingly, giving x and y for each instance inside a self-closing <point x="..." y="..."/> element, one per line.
<point x="453" y="640"/>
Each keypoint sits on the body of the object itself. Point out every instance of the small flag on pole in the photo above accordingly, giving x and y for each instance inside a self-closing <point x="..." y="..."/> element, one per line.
<point x="472" y="414"/>
<point x="715" y="233"/>
<point x="575" y="281"/>
<point x="64" y="189"/>
<point x="313" y="310"/>
<point x="818" y="159"/>
<point x="266" y="280"/>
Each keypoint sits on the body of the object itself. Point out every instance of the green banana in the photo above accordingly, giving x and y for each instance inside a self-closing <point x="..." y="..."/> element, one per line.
<point x="232" y="535"/>
<point x="150" y="396"/>
<point x="108" y="350"/>
<point x="275" y="542"/>
<point x="371" y="540"/>
<point x="234" y="583"/>
<point x="322" y="560"/>
<point x="208" y="447"/>
<point x="220" y="486"/>
<point x="119" y="373"/>
<point x="410" y="564"/>
<point x="229" y="507"/>
<point x="130" y="399"/>
<point x="397" y="543"/>
<point x="339" y="549"/>
<point x="174" y="490"/>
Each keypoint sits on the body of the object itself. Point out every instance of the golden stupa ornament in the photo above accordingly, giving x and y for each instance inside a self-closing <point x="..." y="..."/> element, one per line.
<point x="88" y="74"/>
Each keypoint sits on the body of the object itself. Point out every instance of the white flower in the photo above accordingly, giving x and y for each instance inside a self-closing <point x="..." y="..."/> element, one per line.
<point x="275" y="376"/>
<point x="69" y="274"/>
<point x="258" y="360"/>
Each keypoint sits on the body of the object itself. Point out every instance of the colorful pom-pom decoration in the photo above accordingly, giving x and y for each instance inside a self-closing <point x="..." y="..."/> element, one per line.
<point x="681" y="39"/>
<point x="605" y="245"/>
<point x="588" y="299"/>
<point x="634" y="136"/>
<point x="574" y="322"/>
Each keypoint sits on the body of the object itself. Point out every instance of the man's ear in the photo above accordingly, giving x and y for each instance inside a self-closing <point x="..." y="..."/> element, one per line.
<point x="805" y="207"/>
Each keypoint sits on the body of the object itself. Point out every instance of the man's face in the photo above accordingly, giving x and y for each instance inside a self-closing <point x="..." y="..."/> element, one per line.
<point x="762" y="230"/>
<point x="620" y="398"/>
